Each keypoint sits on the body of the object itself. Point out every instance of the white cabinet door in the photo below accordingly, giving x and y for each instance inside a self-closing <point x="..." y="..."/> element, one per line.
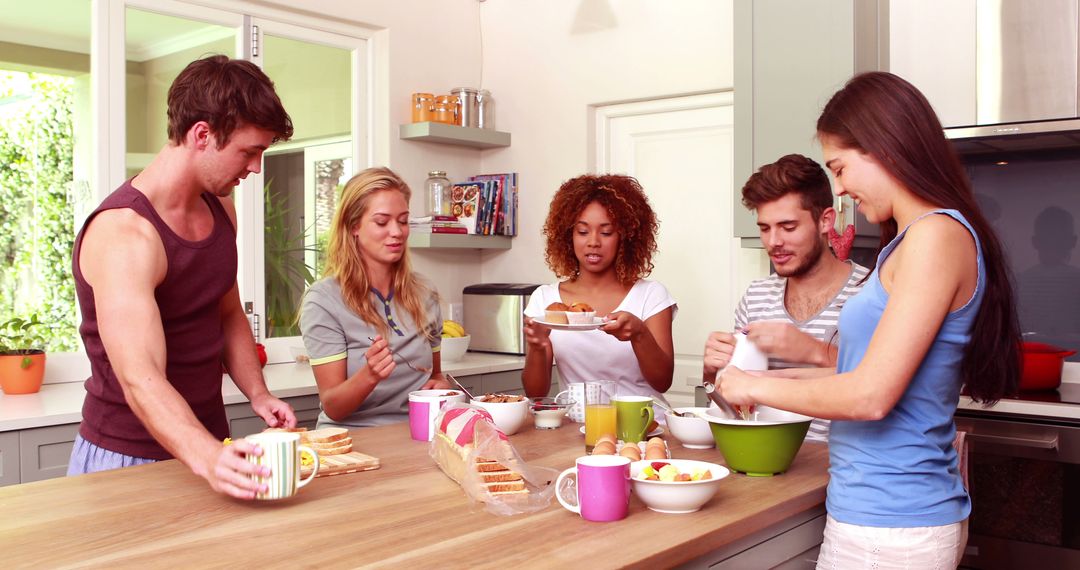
<point x="681" y="150"/>
<point x="932" y="44"/>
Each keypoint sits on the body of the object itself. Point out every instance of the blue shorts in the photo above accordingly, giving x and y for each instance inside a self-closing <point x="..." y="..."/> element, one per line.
<point x="89" y="458"/>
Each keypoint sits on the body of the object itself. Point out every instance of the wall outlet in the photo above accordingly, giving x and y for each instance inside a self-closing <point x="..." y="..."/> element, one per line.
<point x="456" y="312"/>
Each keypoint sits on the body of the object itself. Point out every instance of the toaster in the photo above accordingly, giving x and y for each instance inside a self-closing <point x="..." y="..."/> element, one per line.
<point x="494" y="316"/>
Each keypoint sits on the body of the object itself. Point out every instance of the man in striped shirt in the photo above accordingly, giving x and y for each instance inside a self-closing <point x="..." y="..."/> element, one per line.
<point x="791" y="315"/>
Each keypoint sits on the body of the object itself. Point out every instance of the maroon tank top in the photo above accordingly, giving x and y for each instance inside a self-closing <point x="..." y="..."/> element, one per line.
<point x="199" y="274"/>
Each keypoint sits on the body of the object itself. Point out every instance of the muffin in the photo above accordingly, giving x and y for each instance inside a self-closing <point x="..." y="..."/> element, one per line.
<point x="580" y="314"/>
<point x="556" y="313"/>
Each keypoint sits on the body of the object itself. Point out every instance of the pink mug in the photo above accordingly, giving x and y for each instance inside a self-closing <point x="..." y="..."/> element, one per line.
<point x="602" y="490"/>
<point x="424" y="407"/>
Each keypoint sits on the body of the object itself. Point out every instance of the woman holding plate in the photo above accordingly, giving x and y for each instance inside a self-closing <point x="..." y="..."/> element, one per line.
<point x="601" y="236"/>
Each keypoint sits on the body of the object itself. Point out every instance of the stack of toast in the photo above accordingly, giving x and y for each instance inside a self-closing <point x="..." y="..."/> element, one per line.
<point x="328" y="441"/>
<point x="498" y="479"/>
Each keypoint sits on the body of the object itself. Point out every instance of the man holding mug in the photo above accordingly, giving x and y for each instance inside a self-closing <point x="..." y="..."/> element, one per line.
<point x="791" y="315"/>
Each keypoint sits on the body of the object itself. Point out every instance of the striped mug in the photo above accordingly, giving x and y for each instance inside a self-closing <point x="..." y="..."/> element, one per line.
<point x="281" y="452"/>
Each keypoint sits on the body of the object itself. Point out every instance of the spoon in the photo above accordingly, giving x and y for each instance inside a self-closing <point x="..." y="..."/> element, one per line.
<point x="729" y="411"/>
<point x="674" y="412"/>
<point x="458" y="384"/>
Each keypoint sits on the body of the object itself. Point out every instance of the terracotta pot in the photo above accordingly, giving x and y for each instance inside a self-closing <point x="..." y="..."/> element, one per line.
<point x="1041" y="365"/>
<point x="15" y="379"/>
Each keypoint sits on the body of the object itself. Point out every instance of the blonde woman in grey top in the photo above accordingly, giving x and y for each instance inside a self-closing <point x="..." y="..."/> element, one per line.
<point x="371" y="326"/>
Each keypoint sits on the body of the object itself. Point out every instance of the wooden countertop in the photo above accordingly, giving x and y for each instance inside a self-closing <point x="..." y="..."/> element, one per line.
<point x="405" y="514"/>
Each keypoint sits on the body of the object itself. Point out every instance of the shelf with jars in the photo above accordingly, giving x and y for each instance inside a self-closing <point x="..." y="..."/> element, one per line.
<point x="443" y="133"/>
<point x="466" y="117"/>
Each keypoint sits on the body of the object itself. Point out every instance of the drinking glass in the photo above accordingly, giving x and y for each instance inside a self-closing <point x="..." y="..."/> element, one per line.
<point x="599" y="411"/>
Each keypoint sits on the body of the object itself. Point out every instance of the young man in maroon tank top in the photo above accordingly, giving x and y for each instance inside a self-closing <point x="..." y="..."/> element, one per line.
<point x="155" y="270"/>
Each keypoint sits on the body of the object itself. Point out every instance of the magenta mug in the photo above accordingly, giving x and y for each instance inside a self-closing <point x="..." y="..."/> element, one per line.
<point x="424" y="407"/>
<point x="602" y="490"/>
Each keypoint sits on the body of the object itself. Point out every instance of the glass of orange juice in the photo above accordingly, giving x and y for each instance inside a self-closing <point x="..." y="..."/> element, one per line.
<point x="599" y="411"/>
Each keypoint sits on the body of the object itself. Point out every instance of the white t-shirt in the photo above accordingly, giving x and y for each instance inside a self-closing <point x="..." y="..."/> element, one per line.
<point x="595" y="355"/>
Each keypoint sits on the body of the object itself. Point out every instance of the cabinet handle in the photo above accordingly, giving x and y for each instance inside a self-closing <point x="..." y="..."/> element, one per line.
<point x="1048" y="442"/>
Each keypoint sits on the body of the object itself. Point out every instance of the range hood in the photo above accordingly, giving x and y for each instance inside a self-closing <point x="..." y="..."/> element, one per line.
<point x="1027" y="70"/>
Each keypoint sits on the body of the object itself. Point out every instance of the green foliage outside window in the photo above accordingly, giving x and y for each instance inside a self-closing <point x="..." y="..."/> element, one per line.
<point x="36" y="215"/>
<point x="287" y="273"/>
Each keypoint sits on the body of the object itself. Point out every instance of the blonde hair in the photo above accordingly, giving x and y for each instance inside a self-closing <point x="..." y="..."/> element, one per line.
<point x="345" y="262"/>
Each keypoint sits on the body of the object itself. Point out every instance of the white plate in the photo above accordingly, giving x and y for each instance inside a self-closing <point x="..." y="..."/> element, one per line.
<point x="653" y="433"/>
<point x="597" y="323"/>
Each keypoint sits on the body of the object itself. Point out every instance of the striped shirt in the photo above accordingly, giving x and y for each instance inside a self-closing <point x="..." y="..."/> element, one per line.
<point x="764" y="301"/>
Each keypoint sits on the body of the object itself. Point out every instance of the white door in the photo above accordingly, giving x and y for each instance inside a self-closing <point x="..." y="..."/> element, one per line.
<point x="681" y="150"/>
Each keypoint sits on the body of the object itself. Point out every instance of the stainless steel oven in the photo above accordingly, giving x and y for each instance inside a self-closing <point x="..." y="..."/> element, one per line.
<point x="1024" y="481"/>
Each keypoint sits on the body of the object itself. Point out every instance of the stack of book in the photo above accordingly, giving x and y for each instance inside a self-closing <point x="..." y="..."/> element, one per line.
<point x="487" y="204"/>
<point x="437" y="225"/>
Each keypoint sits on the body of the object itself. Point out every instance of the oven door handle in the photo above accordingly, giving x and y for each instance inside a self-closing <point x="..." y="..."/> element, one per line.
<point x="1047" y="442"/>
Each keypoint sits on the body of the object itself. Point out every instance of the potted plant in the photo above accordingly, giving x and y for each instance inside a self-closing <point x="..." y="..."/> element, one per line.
<point x="22" y="355"/>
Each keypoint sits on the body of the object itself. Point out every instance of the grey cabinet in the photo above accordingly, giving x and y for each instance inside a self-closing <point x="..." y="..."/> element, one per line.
<point x="243" y="421"/>
<point x="790" y="57"/>
<point x="44" y="452"/>
<point x="9" y="458"/>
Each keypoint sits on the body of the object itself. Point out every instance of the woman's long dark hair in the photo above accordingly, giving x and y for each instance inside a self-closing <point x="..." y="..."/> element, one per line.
<point x="884" y="116"/>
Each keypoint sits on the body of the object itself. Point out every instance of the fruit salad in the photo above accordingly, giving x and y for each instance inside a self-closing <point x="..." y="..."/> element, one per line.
<point x="663" y="471"/>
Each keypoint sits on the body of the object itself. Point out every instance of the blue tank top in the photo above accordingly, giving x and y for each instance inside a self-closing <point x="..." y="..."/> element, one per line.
<point x="901" y="471"/>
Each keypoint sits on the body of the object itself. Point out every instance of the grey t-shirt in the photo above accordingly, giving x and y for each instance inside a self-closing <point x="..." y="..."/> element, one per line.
<point x="334" y="332"/>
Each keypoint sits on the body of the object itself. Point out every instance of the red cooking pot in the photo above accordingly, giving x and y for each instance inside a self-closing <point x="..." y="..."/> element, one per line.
<point x="1041" y="365"/>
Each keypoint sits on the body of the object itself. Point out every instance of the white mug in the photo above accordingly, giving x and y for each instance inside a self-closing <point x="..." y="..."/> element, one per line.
<point x="576" y="392"/>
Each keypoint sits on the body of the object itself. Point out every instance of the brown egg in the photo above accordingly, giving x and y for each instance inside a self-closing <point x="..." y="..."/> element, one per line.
<point x="604" y="448"/>
<point x="607" y="437"/>
<point x="631" y="451"/>
<point x="655" y="441"/>
<point x="655" y="453"/>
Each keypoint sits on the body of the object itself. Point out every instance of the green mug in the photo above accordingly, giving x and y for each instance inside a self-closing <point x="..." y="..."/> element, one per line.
<point x="633" y="414"/>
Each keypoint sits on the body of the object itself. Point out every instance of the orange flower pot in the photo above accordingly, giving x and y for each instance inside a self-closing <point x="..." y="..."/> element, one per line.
<point x="14" y="379"/>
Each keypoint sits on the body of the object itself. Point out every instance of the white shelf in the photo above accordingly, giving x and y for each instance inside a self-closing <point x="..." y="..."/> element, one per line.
<point x="459" y="241"/>
<point x="453" y="134"/>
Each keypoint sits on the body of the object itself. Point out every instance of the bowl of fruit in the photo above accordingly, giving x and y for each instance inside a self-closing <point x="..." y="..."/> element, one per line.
<point x="454" y="341"/>
<point x="676" y="485"/>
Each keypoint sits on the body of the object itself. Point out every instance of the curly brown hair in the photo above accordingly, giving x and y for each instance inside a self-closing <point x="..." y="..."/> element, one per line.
<point x="633" y="217"/>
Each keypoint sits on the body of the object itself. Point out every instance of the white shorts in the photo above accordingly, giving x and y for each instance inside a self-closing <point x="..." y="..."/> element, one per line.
<point x="849" y="546"/>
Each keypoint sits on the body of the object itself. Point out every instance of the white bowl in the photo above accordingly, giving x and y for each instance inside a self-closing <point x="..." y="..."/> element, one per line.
<point x="508" y="416"/>
<point x="548" y="412"/>
<point x="677" y="497"/>
<point x="453" y="348"/>
<point x="692" y="432"/>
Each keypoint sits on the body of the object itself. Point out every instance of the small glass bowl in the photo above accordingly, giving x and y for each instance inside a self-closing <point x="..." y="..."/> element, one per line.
<point x="548" y="412"/>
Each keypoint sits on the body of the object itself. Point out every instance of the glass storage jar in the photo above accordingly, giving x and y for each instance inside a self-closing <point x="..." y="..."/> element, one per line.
<point x="422" y="104"/>
<point x="438" y="193"/>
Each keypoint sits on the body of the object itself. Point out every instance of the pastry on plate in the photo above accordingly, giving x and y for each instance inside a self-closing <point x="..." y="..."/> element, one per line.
<point x="556" y="313"/>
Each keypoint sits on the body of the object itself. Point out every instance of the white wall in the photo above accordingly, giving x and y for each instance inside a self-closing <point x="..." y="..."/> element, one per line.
<point x="546" y="63"/>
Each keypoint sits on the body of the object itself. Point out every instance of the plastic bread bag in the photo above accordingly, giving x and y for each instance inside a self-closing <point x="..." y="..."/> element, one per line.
<point x="474" y="453"/>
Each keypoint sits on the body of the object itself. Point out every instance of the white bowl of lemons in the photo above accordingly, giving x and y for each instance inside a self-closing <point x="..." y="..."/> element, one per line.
<point x="454" y="342"/>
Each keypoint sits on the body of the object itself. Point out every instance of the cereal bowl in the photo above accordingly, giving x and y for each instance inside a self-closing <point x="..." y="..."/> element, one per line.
<point x="692" y="431"/>
<point x="508" y="416"/>
<point x="548" y="413"/>
<point x="677" y="497"/>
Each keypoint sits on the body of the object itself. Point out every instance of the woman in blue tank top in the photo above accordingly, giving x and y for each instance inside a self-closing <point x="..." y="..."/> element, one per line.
<point x="936" y="314"/>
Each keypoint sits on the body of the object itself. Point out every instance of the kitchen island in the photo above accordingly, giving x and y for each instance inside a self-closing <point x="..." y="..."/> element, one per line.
<point x="405" y="514"/>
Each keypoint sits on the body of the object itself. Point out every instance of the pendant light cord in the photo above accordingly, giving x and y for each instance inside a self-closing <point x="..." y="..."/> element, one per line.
<point x="480" y="26"/>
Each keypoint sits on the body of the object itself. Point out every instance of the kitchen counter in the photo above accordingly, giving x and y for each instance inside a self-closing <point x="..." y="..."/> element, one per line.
<point x="405" y="514"/>
<point x="61" y="403"/>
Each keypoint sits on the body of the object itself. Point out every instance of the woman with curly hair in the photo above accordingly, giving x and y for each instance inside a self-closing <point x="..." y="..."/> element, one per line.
<point x="601" y="236"/>
<point x="372" y="327"/>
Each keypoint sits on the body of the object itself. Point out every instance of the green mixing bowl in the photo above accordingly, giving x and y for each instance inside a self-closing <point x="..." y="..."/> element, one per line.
<point x="760" y="447"/>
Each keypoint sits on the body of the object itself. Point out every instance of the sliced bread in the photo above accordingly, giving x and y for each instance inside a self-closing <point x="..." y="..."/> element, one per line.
<point x="334" y="448"/>
<point x="324" y="435"/>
